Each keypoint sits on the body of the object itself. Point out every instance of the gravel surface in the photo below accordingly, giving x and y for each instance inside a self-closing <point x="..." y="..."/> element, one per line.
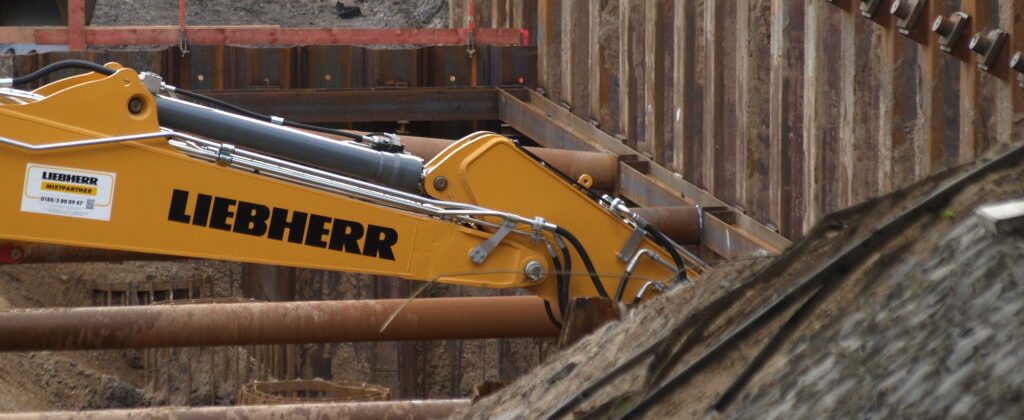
<point x="927" y="326"/>
<point x="296" y="13"/>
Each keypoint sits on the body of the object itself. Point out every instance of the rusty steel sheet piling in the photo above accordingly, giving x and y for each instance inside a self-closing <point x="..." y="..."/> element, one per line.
<point x="273" y="323"/>
<point x="405" y="410"/>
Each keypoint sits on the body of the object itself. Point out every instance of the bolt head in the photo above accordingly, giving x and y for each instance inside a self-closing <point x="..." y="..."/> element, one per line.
<point x="534" y="271"/>
<point x="975" y="42"/>
<point x="440" y="183"/>
<point x="1017" y="62"/>
<point x="15" y="254"/>
<point x="135" y="105"/>
<point x="937" y="25"/>
<point x="896" y="5"/>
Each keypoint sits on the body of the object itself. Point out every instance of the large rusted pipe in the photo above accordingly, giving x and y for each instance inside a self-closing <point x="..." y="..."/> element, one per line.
<point x="405" y="410"/>
<point x="272" y="323"/>
<point x="681" y="224"/>
<point x="28" y="253"/>
<point x="602" y="167"/>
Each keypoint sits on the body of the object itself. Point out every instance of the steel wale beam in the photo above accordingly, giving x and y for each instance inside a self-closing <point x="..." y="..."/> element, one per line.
<point x="190" y="325"/>
<point x="406" y="410"/>
<point x="242" y="35"/>
<point x="553" y="126"/>
<point x="368" y="105"/>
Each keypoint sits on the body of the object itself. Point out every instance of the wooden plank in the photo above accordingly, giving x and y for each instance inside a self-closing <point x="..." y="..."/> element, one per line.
<point x="940" y="96"/>
<point x="631" y="58"/>
<point x="970" y="144"/>
<point x="549" y="45"/>
<point x="753" y="33"/>
<point x="654" y="98"/>
<point x="863" y="102"/>
<point x="689" y="137"/>
<point x="820" y="107"/>
<point x="1015" y="43"/>
<point x="457" y="13"/>
<point x="604" y="50"/>
<point x="568" y="30"/>
<point x="579" y="57"/>
<point x="787" y="123"/>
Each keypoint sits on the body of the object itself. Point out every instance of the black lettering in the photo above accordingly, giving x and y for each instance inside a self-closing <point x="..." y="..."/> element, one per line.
<point x="379" y="241"/>
<point x="221" y="213"/>
<point x="179" y="200"/>
<point x="279" y="221"/>
<point x="316" y="230"/>
<point x="345" y="236"/>
<point x="201" y="214"/>
<point x="251" y="219"/>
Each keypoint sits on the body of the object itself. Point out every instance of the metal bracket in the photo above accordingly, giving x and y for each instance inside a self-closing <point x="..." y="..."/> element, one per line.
<point x="987" y="45"/>
<point x="906" y="12"/>
<point x="869" y="7"/>
<point x="225" y="154"/>
<point x="950" y="30"/>
<point x="480" y="252"/>
<point x="629" y="248"/>
<point x="1017" y="63"/>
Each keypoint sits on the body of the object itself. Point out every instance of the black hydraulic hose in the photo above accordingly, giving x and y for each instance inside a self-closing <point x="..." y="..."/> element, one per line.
<point x="586" y="260"/>
<point x="61" y="65"/>
<point x="564" y="280"/>
<point x="551" y="314"/>
<point x="666" y="243"/>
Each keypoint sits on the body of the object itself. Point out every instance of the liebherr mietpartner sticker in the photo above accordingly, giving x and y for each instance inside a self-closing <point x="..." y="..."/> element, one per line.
<point x="68" y="192"/>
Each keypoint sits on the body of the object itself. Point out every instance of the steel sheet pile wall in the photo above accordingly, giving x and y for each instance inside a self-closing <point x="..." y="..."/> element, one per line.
<point x="787" y="109"/>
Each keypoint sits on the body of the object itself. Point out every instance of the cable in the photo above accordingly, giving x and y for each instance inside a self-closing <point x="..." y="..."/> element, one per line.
<point x="551" y="314"/>
<point x="564" y="279"/>
<point x="586" y="259"/>
<point x="61" y="65"/>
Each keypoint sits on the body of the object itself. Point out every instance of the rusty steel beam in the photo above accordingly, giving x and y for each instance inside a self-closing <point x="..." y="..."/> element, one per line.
<point x="31" y="253"/>
<point x="554" y="126"/>
<point x="241" y="35"/>
<point x="680" y="223"/>
<point x="397" y="410"/>
<point x="368" y="105"/>
<point x="192" y="325"/>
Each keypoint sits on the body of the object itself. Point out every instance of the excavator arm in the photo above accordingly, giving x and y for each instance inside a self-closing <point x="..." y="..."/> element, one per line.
<point x="107" y="159"/>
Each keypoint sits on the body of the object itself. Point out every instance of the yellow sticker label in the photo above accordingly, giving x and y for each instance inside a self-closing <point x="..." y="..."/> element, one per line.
<point x="67" y="188"/>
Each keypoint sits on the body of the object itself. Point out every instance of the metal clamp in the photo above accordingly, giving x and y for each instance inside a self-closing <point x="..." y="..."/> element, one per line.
<point x="906" y="12"/>
<point x="384" y="142"/>
<point x="480" y="252"/>
<point x="225" y="154"/>
<point x="987" y="45"/>
<point x="1017" y="63"/>
<point x="950" y="30"/>
<point x="868" y="8"/>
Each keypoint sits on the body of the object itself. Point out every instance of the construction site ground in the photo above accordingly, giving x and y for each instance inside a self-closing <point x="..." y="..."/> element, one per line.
<point x="926" y="326"/>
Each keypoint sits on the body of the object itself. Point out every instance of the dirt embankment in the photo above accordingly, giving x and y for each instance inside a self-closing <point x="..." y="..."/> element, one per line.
<point x="923" y="325"/>
<point x="295" y="13"/>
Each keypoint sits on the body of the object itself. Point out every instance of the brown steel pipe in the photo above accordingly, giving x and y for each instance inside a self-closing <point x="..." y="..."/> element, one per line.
<point x="603" y="168"/>
<point x="28" y="253"/>
<point x="191" y="325"/>
<point x="404" y="410"/>
<point x="681" y="224"/>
